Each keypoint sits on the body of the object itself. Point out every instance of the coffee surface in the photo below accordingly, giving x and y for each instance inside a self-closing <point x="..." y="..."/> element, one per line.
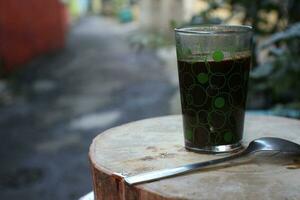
<point x="213" y="97"/>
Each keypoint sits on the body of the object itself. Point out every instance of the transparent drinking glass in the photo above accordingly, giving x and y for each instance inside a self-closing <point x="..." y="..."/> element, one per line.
<point x="213" y="68"/>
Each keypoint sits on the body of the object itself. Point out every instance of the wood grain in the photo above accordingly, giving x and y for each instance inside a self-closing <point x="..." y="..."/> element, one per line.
<point x="157" y="143"/>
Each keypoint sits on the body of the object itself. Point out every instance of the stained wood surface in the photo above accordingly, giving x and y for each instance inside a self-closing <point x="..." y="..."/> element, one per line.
<point x="157" y="143"/>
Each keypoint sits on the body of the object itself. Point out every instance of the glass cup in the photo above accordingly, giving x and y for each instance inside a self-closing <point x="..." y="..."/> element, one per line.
<point x="213" y="67"/>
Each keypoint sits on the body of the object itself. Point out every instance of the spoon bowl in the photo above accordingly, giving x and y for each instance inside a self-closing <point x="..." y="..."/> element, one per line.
<point x="273" y="144"/>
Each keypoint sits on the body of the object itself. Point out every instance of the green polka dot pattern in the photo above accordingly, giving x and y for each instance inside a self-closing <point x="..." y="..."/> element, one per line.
<point x="213" y="95"/>
<point x="219" y="102"/>
<point x="189" y="134"/>
<point x="228" y="136"/>
<point x="202" y="78"/>
<point x="218" y="55"/>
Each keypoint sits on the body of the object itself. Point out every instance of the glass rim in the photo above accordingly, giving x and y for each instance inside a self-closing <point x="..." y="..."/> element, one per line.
<point x="214" y="29"/>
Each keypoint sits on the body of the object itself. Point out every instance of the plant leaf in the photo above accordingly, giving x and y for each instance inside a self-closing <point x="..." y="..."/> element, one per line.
<point x="262" y="70"/>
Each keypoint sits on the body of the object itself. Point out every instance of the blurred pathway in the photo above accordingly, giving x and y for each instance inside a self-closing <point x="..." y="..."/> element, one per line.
<point x="62" y="101"/>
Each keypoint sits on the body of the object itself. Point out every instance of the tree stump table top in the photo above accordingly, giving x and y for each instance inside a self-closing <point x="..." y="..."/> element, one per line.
<point x="157" y="143"/>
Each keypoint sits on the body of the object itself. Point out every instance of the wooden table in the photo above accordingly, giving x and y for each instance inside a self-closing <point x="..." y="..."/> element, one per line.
<point x="157" y="143"/>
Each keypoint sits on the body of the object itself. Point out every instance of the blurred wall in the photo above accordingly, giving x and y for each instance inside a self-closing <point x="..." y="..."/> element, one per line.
<point x="156" y="15"/>
<point x="96" y="6"/>
<point x="29" y="28"/>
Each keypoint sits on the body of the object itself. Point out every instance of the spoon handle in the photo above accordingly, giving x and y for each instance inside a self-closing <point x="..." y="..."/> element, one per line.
<point x="165" y="173"/>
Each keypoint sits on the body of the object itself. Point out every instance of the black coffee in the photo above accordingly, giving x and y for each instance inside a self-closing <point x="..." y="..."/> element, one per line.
<point x="213" y="96"/>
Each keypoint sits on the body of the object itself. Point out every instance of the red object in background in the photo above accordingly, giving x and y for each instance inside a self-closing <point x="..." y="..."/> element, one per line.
<point x="30" y="28"/>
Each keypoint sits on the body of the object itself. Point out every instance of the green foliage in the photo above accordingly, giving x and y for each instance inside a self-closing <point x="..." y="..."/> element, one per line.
<point x="252" y="13"/>
<point x="281" y="72"/>
<point x="276" y="75"/>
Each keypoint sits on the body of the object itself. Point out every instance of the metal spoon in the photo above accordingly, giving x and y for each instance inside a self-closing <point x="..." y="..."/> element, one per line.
<point x="265" y="144"/>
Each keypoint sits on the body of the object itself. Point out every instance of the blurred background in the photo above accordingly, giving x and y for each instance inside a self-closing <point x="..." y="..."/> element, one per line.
<point x="70" y="69"/>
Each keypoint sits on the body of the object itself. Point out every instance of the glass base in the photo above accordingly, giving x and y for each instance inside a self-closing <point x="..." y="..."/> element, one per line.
<point x="217" y="149"/>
